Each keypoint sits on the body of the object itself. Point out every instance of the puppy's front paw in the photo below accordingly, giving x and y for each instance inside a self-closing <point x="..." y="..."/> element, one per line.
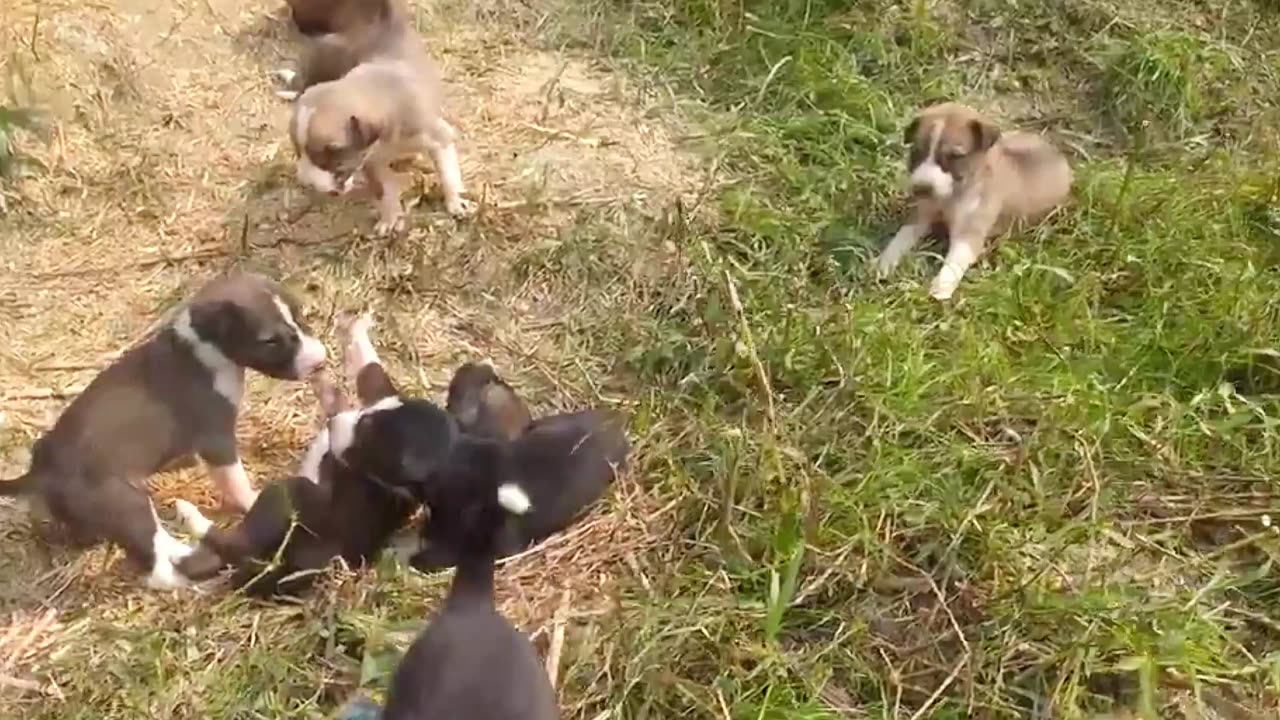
<point x="285" y="77"/>
<point x="191" y="516"/>
<point x="387" y="227"/>
<point x="942" y="289"/>
<point x="887" y="263"/>
<point x="460" y="207"/>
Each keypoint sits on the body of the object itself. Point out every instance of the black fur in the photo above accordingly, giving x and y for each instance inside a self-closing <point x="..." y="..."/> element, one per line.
<point x="470" y="662"/>
<point x="563" y="463"/>
<point x="297" y="527"/>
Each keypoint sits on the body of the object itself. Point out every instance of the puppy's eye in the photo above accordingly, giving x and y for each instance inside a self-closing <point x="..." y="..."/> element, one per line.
<point x="271" y="340"/>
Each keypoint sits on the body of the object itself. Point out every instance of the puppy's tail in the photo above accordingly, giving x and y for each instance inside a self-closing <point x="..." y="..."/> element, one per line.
<point x="18" y="486"/>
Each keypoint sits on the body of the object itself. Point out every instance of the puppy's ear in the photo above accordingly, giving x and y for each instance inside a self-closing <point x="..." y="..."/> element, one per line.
<point x="985" y="134"/>
<point x="909" y="135"/>
<point x="215" y="321"/>
<point x="364" y="132"/>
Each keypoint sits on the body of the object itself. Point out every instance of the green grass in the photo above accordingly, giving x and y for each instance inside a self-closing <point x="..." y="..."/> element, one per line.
<point x="1042" y="501"/>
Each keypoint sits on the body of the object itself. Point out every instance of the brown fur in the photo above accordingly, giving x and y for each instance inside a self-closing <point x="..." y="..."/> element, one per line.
<point x="994" y="181"/>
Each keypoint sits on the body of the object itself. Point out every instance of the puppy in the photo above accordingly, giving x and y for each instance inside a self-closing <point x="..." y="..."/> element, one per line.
<point x="371" y="96"/>
<point x="172" y="396"/>
<point x="484" y="404"/>
<point x="348" y="498"/>
<point x="562" y="463"/>
<point x="976" y="182"/>
<point x="470" y="662"/>
<point x="320" y="17"/>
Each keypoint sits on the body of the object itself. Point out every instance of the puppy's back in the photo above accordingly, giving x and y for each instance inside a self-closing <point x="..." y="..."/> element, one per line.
<point x="1035" y="176"/>
<point x="565" y="462"/>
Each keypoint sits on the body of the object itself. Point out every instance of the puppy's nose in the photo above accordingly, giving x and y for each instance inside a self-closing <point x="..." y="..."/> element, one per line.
<point x="922" y="190"/>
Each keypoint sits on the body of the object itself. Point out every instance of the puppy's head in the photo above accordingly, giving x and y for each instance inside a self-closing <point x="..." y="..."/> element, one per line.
<point x="484" y="404"/>
<point x="947" y="142"/>
<point x="477" y="496"/>
<point x="400" y="442"/>
<point x="332" y="136"/>
<point x="253" y="322"/>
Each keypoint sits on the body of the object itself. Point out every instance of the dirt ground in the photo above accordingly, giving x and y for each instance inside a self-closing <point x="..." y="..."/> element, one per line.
<point x="166" y="162"/>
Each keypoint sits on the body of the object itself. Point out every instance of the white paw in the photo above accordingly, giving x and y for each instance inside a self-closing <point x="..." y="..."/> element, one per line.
<point x="389" y="226"/>
<point x="289" y="95"/>
<point x="196" y="522"/>
<point x="285" y="76"/>
<point x="886" y="264"/>
<point x="942" y="289"/>
<point x="460" y="207"/>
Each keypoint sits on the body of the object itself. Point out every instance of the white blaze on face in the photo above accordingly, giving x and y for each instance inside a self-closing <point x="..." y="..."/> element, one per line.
<point x="308" y="173"/>
<point x="928" y="175"/>
<point x="342" y="427"/>
<point x="311" y="354"/>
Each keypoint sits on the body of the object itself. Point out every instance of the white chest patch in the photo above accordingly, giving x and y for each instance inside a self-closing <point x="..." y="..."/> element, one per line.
<point x="228" y="377"/>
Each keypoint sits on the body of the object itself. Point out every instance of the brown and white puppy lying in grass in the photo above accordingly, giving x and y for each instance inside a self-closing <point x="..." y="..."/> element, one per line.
<point x="370" y="96"/>
<point x="349" y="496"/>
<point x="975" y="181"/>
<point x="175" y="395"/>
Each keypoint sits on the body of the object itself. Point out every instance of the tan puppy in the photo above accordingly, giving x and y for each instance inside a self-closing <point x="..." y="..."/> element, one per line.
<point x="976" y="181"/>
<point x="371" y="96"/>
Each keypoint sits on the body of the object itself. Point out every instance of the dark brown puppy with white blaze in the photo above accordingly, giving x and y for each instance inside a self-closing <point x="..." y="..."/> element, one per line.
<point x="975" y="180"/>
<point x="346" y="500"/>
<point x="371" y="96"/>
<point x="470" y="662"/>
<point x="484" y="404"/>
<point x="320" y="17"/>
<point x="174" y="395"/>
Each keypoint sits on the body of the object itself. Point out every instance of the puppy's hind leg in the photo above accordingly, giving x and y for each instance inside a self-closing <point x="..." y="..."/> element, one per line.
<point x="361" y="364"/>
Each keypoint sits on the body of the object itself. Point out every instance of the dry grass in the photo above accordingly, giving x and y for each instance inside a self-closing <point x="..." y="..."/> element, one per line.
<point x="167" y="163"/>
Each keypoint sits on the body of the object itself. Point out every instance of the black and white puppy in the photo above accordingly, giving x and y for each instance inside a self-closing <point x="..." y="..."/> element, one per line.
<point x="348" y="498"/>
<point x="563" y="462"/>
<point x="175" y="395"/>
<point x="470" y="662"/>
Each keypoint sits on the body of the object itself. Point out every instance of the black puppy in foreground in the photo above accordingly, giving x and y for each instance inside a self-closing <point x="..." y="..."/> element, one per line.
<point x="349" y="497"/>
<point x="470" y="662"/>
<point x="563" y="462"/>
